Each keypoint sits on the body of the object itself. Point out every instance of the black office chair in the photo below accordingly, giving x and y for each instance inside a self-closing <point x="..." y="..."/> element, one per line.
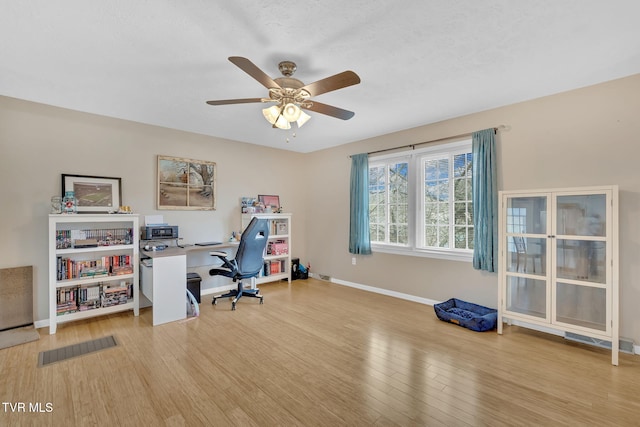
<point x="247" y="264"/>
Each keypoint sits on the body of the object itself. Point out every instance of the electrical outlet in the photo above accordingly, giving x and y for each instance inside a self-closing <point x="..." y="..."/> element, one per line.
<point x="353" y="260"/>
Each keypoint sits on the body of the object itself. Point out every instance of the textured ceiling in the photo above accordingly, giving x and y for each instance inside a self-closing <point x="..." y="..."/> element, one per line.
<point x="420" y="61"/>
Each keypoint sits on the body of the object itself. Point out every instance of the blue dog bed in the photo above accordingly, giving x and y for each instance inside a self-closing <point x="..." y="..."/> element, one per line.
<point x="466" y="314"/>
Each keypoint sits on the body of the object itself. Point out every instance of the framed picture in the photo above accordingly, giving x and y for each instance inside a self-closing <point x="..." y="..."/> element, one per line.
<point x="95" y="194"/>
<point x="273" y="201"/>
<point x="186" y="184"/>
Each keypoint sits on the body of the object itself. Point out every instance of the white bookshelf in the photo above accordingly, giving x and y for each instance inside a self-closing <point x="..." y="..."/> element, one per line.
<point x="66" y="232"/>
<point x="279" y="233"/>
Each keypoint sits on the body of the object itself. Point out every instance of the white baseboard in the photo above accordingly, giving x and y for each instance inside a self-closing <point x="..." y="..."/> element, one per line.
<point x="41" y="323"/>
<point x="217" y="290"/>
<point x="387" y="292"/>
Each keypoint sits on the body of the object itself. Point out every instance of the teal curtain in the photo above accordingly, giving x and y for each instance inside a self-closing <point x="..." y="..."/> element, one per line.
<point x="359" y="239"/>
<point x="485" y="201"/>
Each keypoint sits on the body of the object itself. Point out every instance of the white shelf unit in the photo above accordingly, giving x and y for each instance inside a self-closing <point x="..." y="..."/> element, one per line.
<point x="75" y="225"/>
<point x="558" y="257"/>
<point x="279" y="231"/>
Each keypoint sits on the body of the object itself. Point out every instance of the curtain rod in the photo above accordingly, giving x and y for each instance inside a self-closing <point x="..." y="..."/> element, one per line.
<point x="413" y="146"/>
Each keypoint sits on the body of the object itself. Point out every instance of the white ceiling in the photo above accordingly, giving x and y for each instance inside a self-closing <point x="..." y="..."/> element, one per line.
<point x="420" y="61"/>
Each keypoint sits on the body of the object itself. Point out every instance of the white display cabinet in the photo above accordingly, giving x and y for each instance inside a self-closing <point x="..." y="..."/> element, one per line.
<point x="559" y="261"/>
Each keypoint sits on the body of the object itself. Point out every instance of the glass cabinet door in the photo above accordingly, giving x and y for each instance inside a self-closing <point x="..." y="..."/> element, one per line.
<point x="526" y="255"/>
<point x="581" y="254"/>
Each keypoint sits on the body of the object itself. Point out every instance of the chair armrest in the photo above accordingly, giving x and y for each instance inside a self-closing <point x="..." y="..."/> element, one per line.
<point x="226" y="262"/>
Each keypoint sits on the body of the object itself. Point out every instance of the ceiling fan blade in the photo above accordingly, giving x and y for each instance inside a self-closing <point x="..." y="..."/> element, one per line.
<point x="330" y="110"/>
<point x="250" y="68"/>
<point x="338" y="81"/>
<point x="234" y="101"/>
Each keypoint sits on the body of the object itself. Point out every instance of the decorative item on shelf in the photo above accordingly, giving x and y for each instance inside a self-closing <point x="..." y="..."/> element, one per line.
<point x="247" y="204"/>
<point x="270" y="201"/>
<point x="124" y="210"/>
<point x="69" y="203"/>
<point x="56" y="205"/>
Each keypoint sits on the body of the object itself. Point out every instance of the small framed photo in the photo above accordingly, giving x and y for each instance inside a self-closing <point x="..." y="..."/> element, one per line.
<point x="95" y="194"/>
<point x="273" y="201"/>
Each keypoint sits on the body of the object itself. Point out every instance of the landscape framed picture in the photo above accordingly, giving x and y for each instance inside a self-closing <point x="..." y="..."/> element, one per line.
<point x="94" y="194"/>
<point x="186" y="184"/>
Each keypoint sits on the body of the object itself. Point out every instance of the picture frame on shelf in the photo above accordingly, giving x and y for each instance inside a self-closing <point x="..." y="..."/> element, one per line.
<point x="282" y="228"/>
<point x="248" y="204"/>
<point x="186" y="184"/>
<point x="94" y="194"/>
<point x="269" y="200"/>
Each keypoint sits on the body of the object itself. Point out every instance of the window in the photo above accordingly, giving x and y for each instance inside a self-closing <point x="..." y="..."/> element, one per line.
<point x="421" y="204"/>
<point x="389" y="202"/>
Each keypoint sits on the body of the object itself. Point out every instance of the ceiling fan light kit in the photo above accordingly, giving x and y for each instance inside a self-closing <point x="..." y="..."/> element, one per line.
<point x="291" y="112"/>
<point x="271" y="114"/>
<point x="291" y="95"/>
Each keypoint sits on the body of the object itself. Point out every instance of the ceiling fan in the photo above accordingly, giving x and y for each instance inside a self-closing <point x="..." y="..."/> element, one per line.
<point x="290" y="96"/>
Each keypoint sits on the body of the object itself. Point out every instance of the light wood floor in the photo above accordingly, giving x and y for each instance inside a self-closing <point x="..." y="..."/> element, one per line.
<point x="317" y="354"/>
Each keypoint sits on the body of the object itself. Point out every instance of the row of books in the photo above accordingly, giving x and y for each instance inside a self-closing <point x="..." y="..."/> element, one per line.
<point x="274" y="267"/>
<point x="116" y="295"/>
<point x="68" y="268"/>
<point x="83" y="298"/>
<point x="66" y="239"/>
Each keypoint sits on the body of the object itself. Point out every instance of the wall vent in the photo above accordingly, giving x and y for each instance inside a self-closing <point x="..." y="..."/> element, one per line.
<point x="626" y="345"/>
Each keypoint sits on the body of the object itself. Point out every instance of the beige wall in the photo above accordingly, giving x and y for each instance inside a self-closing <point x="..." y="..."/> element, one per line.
<point x="38" y="143"/>
<point x="579" y="138"/>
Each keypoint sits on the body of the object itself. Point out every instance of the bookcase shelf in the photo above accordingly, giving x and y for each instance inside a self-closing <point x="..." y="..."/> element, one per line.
<point x="278" y="253"/>
<point x="91" y="280"/>
<point x="114" y="248"/>
<point x="111" y="292"/>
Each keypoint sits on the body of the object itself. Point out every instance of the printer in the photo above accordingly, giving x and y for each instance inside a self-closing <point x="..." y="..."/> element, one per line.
<point x="155" y="232"/>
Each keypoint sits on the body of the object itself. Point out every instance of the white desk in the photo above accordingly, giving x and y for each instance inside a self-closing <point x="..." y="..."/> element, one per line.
<point x="165" y="283"/>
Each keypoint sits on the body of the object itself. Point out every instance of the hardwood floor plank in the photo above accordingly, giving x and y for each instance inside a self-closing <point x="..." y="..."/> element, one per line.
<point x="317" y="354"/>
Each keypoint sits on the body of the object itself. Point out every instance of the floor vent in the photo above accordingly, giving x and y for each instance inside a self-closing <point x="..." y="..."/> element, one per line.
<point x="626" y="345"/>
<point x="324" y="277"/>
<point x="75" y="350"/>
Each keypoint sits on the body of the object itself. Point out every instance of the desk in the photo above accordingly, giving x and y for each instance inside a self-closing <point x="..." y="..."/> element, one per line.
<point x="165" y="282"/>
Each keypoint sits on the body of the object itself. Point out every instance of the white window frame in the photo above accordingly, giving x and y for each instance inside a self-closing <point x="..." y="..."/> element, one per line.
<point x="416" y="208"/>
